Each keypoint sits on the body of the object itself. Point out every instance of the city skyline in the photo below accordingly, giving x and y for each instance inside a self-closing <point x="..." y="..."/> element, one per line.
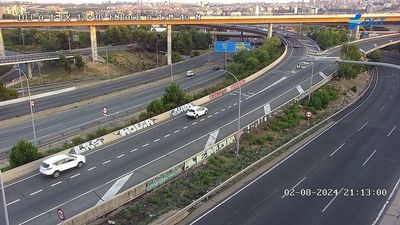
<point x="154" y="1"/>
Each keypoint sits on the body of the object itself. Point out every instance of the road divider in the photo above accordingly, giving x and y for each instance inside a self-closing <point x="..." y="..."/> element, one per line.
<point x="33" y="97"/>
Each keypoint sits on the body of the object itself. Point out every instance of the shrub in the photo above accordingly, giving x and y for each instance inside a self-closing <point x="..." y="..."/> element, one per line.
<point x="102" y="131"/>
<point x="23" y="152"/>
<point x="143" y="116"/>
<point x="354" y="89"/>
<point x="77" y="140"/>
<point x="155" y="106"/>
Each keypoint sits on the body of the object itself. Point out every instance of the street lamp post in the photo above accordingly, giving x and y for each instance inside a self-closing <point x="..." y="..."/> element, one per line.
<point x="108" y="71"/>
<point x="157" y="50"/>
<point x="31" y="108"/>
<point x="238" y="125"/>
<point x="4" y="199"/>
<point x="209" y="53"/>
<point x="309" y="90"/>
<point x="20" y="78"/>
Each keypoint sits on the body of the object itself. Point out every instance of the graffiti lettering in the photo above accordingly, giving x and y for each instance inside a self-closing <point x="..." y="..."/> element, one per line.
<point x="181" y="109"/>
<point x="87" y="146"/>
<point x="218" y="94"/>
<point x="135" y="127"/>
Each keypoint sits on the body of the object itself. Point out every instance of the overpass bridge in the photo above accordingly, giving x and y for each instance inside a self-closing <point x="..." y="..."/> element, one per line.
<point x="239" y="21"/>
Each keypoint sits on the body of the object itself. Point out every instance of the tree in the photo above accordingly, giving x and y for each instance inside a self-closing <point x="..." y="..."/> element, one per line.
<point x="23" y="152"/>
<point x="9" y="17"/>
<point x="375" y="55"/>
<point x="173" y="94"/>
<point x="176" y="57"/>
<point x="155" y="107"/>
<point x="7" y="93"/>
<point x="66" y="63"/>
<point x="79" y="61"/>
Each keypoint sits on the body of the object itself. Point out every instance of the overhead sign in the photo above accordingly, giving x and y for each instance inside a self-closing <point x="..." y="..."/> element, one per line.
<point x="231" y="47"/>
<point x="354" y="22"/>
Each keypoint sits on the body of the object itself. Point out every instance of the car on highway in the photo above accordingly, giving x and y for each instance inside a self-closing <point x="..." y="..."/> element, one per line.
<point x="190" y="73"/>
<point x="54" y="165"/>
<point x="196" y="111"/>
<point x="295" y="45"/>
<point x="216" y="67"/>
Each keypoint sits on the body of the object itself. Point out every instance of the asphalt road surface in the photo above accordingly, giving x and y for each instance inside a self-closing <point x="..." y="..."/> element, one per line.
<point x="358" y="159"/>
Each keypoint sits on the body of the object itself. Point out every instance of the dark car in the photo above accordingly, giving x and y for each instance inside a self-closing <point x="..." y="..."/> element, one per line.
<point x="216" y="67"/>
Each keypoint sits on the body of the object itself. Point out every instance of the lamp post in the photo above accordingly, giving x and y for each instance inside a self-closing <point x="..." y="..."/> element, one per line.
<point x="108" y="72"/>
<point x="312" y="74"/>
<point x="31" y="108"/>
<point x="20" y="78"/>
<point x="4" y="199"/>
<point x="158" y="40"/>
<point x="209" y="53"/>
<point x="238" y="125"/>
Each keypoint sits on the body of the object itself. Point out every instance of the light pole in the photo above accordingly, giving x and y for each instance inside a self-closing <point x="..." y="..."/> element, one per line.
<point x="3" y="193"/>
<point x="209" y="53"/>
<point x="158" y="40"/>
<point x="31" y="108"/>
<point x="238" y="125"/>
<point x="108" y="72"/>
<point x="309" y="90"/>
<point x="20" y="78"/>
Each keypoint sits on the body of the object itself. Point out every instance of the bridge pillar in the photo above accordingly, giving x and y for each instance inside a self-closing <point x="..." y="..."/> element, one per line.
<point x="2" y="50"/>
<point x="355" y="34"/>
<point x="169" y="44"/>
<point x="29" y="70"/>
<point x="270" y="30"/>
<point x="93" y="41"/>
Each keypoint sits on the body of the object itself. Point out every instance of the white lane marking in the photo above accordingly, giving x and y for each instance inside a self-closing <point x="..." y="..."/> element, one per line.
<point x="235" y="103"/>
<point x="216" y="113"/>
<point x="390" y="97"/>
<point x="267" y="109"/>
<point x="59" y="182"/>
<point x="145" y="145"/>
<point x="202" y="119"/>
<point x="34" y="193"/>
<point x="74" y="175"/>
<point x="393" y="87"/>
<point x="333" y="199"/>
<point x="156" y="140"/>
<point x="336" y="150"/>
<point x="229" y="107"/>
<point x="176" y="131"/>
<point x="223" y="110"/>
<point x="298" y="183"/>
<point x="185" y="127"/>
<point x="106" y="162"/>
<point x="114" y="188"/>
<point x="273" y="84"/>
<point x="122" y="155"/>
<point x="300" y="89"/>
<point x="167" y="135"/>
<point x="194" y="123"/>
<point x="211" y="139"/>
<point x="210" y="116"/>
<point x="134" y="150"/>
<point x="369" y="157"/>
<point x="15" y="201"/>
<point x="91" y="168"/>
<point x="322" y="75"/>
<point x="382" y="108"/>
<point x="365" y="124"/>
<point x="387" y="202"/>
<point x="392" y="130"/>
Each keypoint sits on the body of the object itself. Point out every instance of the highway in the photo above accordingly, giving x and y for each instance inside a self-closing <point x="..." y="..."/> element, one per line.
<point x="135" y="158"/>
<point x="58" y="124"/>
<point x="356" y="156"/>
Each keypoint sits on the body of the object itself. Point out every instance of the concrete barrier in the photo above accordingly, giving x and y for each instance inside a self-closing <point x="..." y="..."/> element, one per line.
<point x="47" y="94"/>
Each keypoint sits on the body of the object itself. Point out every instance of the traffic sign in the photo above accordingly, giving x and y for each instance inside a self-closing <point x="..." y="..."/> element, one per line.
<point x="105" y="111"/>
<point x="32" y="103"/>
<point x="308" y="114"/>
<point x="61" y="214"/>
<point x="230" y="46"/>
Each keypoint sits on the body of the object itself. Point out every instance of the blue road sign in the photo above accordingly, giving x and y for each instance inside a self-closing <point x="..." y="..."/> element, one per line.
<point x="231" y="47"/>
<point x="354" y="22"/>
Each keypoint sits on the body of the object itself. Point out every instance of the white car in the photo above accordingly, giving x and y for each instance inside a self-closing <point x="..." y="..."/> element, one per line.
<point x="53" y="166"/>
<point x="196" y="111"/>
<point x="190" y="73"/>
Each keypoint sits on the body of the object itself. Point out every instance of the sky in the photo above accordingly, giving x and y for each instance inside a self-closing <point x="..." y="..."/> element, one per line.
<point x="178" y="1"/>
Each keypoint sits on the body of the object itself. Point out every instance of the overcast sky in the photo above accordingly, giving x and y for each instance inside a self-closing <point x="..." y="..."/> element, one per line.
<point x="179" y="1"/>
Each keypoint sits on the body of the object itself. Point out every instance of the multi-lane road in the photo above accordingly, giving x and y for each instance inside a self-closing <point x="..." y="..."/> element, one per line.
<point x="135" y="158"/>
<point x="57" y="124"/>
<point x="357" y="158"/>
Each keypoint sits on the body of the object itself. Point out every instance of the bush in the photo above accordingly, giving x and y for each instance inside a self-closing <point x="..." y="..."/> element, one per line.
<point x="354" y="89"/>
<point x="77" y="140"/>
<point x="143" y="116"/>
<point x="155" y="107"/>
<point x="195" y="53"/>
<point x="102" y="131"/>
<point x="7" y="93"/>
<point x="22" y="153"/>
<point x="173" y="94"/>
